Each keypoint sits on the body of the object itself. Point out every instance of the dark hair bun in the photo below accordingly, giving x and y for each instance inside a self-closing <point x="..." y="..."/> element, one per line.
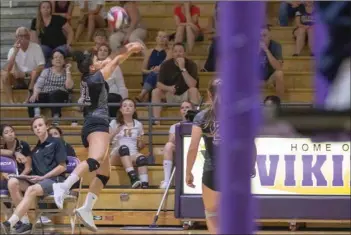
<point x="84" y="60"/>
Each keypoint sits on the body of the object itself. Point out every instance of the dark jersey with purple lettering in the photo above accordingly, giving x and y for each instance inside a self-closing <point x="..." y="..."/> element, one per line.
<point x="211" y="139"/>
<point x="98" y="94"/>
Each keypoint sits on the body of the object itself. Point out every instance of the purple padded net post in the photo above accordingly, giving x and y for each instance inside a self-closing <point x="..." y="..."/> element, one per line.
<point x="240" y="24"/>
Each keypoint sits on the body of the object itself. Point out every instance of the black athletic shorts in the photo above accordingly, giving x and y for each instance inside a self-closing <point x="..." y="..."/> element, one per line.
<point x="208" y="179"/>
<point x="93" y="124"/>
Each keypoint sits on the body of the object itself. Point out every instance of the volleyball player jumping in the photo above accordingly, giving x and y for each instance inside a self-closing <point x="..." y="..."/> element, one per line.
<point x="95" y="132"/>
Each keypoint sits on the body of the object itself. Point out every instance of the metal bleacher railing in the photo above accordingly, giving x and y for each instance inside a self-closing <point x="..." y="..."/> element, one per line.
<point x="149" y="120"/>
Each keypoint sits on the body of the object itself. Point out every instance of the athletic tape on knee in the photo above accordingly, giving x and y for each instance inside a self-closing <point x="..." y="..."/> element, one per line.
<point x="123" y="151"/>
<point x="104" y="179"/>
<point x="141" y="161"/>
<point x="93" y="164"/>
<point x="210" y="214"/>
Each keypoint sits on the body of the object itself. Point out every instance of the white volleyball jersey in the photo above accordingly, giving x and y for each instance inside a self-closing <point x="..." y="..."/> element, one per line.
<point x="127" y="136"/>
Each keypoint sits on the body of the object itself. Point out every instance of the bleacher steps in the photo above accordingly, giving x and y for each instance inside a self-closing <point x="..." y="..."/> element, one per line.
<point x="119" y="176"/>
<point x="132" y="199"/>
<point x="124" y="218"/>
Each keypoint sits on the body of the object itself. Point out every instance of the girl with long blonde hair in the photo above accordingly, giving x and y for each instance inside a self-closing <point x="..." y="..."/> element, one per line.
<point x="205" y="125"/>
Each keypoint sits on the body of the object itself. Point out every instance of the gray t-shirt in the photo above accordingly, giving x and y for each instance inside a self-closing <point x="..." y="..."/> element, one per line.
<point x="98" y="93"/>
<point x="211" y="139"/>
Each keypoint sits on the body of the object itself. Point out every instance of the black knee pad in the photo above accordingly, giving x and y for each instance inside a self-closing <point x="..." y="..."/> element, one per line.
<point x="123" y="151"/>
<point x="104" y="179"/>
<point x="142" y="161"/>
<point x="93" y="164"/>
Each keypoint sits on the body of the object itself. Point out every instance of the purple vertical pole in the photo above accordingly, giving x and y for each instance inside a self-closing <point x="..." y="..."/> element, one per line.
<point x="240" y="25"/>
<point x="320" y="82"/>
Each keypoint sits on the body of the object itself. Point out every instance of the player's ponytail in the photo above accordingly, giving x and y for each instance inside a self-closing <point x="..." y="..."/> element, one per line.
<point x="210" y="116"/>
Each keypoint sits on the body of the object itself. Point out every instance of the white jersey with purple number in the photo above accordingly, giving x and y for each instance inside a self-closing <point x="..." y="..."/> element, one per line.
<point x="127" y="136"/>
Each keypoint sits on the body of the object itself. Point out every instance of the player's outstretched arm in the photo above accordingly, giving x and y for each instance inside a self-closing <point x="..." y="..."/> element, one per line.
<point x="130" y="48"/>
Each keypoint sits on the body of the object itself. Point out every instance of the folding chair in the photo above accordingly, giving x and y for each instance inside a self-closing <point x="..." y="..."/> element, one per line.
<point x="71" y="201"/>
<point x="8" y="166"/>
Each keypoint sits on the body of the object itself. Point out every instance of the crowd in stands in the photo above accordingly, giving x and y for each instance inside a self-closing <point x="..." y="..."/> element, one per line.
<point x="51" y="31"/>
<point x="38" y="62"/>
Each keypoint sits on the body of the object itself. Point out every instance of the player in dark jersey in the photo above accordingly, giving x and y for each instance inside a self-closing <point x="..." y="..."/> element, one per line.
<point x="206" y="125"/>
<point x="95" y="132"/>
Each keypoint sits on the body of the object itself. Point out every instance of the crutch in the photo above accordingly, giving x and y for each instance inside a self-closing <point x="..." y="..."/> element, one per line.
<point x="163" y="199"/>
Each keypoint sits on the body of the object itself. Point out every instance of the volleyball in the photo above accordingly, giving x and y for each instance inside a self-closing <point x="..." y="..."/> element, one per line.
<point x="117" y="17"/>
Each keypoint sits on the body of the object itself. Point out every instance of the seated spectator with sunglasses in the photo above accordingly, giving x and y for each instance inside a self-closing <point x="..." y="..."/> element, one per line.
<point x="25" y="61"/>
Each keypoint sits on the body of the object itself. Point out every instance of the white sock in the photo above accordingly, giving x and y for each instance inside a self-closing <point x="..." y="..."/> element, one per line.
<point x="144" y="177"/>
<point x="129" y="169"/>
<point x="167" y="169"/>
<point x="13" y="220"/>
<point x="90" y="200"/>
<point x="70" y="181"/>
<point x="25" y="219"/>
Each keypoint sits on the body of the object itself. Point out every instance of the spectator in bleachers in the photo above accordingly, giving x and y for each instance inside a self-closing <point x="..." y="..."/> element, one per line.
<point x="50" y="31"/>
<point x="272" y="100"/>
<point x="271" y="127"/>
<point x="25" y="60"/>
<point x="63" y="8"/>
<point x="56" y="132"/>
<point x="127" y="141"/>
<point x="271" y="59"/>
<point x="169" y="148"/>
<point x="20" y="150"/>
<point x="15" y="148"/>
<point x="210" y="64"/>
<point x="92" y="15"/>
<point x="53" y="85"/>
<point x="44" y="175"/>
<point x="177" y="81"/>
<point x="186" y="16"/>
<point x="100" y="38"/>
<point x="288" y="10"/>
<point x="153" y="59"/>
<point x="304" y="21"/>
<point x="134" y="31"/>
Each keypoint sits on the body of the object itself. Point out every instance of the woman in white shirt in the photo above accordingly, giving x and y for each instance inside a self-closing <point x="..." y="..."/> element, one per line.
<point x="127" y="140"/>
<point x="92" y="15"/>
